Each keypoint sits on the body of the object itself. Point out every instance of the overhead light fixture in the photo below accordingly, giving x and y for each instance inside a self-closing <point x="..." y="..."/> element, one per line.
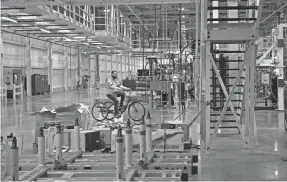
<point x="86" y="43"/>
<point x="8" y="19"/>
<point x="46" y="31"/>
<point x="64" y="31"/>
<point x="106" y="10"/>
<point x="27" y="17"/>
<point x="99" y="43"/>
<point x="67" y="39"/>
<point x="42" y="23"/>
<point x="79" y="37"/>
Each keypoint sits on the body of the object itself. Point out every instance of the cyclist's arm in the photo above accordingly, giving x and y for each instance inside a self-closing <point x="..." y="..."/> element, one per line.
<point x="123" y="87"/>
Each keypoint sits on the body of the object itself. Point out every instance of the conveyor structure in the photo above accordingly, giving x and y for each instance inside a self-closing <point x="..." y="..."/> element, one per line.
<point x="147" y="165"/>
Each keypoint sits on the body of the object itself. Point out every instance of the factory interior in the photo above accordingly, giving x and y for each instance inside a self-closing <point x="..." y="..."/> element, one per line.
<point x="154" y="90"/>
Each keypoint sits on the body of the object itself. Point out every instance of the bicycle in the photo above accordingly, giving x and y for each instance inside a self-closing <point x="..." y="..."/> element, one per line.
<point x="136" y="109"/>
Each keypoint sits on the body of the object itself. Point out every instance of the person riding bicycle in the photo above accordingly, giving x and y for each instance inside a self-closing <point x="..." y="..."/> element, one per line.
<point x="115" y="89"/>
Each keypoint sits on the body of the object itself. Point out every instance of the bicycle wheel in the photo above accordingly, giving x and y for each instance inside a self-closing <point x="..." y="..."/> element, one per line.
<point x="136" y="111"/>
<point x="111" y="110"/>
<point x="99" y="111"/>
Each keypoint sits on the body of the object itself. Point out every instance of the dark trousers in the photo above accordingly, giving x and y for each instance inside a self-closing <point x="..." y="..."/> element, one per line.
<point x="114" y="96"/>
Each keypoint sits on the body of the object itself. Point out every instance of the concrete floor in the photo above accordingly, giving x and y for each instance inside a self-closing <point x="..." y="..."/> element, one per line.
<point x="226" y="161"/>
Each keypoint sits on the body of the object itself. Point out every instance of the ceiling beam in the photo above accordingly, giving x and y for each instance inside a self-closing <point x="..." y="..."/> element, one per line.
<point x="33" y="3"/>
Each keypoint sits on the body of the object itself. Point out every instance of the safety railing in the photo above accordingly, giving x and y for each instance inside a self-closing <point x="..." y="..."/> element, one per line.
<point x="3" y="93"/>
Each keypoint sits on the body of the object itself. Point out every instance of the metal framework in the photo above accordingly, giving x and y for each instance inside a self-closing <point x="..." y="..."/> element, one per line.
<point x="230" y="42"/>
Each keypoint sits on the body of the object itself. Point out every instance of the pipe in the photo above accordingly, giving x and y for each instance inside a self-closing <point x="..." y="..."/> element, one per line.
<point x="119" y="154"/>
<point x="14" y="160"/>
<point x="148" y="133"/>
<point x="77" y="135"/>
<point x="129" y="143"/>
<point x="41" y="148"/>
<point x="142" y="138"/>
<point x="58" y="144"/>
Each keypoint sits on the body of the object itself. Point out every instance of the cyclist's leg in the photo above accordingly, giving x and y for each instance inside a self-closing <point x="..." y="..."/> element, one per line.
<point x="123" y="96"/>
<point x="116" y="102"/>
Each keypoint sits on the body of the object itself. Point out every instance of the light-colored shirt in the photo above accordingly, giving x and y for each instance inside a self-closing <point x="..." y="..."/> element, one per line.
<point x="112" y="84"/>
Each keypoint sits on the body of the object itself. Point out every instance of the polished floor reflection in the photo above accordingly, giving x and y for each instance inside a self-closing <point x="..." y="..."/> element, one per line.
<point x="227" y="159"/>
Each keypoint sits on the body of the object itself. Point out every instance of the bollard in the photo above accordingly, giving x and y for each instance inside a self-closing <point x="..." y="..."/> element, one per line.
<point x="58" y="144"/>
<point x="148" y="133"/>
<point x="77" y="135"/>
<point x="129" y="144"/>
<point x="14" y="160"/>
<point x="119" y="154"/>
<point x="41" y="148"/>
<point x="142" y="138"/>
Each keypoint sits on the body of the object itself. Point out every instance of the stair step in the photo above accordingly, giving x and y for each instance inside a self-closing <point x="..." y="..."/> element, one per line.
<point x="226" y="51"/>
<point x="231" y="61"/>
<point x="218" y="100"/>
<point x="228" y="109"/>
<point x="218" y="93"/>
<point x="223" y="121"/>
<point x="229" y="77"/>
<point x="231" y="19"/>
<point x="232" y="7"/>
<point x="226" y="117"/>
<point x="218" y="114"/>
<point x="226" y="85"/>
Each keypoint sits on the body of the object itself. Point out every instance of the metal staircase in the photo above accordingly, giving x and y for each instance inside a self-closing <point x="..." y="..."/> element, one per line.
<point x="230" y="46"/>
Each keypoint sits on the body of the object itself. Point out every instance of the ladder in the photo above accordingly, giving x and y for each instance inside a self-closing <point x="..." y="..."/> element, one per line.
<point x="228" y="55"/>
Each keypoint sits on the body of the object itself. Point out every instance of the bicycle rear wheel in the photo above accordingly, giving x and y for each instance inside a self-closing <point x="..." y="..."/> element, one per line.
<point x="136" y="111"/>
<point x="111" y="110"/>
<point x="99" y="111"/>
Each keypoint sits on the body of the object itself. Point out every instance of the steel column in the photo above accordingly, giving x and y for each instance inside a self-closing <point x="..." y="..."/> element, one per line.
<point x="280" y="66"/>
<point x="50" y="67"/>
<point x="66" y="68"/>
<point x="28" y="62"/>
<point x="79" y="68"/>
<point x="204" y="123"/>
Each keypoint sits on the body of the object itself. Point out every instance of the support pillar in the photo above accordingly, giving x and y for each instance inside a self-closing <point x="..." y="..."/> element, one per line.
<point x="50" y="67"/>
<point x="97" y="64"/>
<point x="196" y="61"/>
<point x="205" y="121"/>
<point x="28" y="69"/>
<point x="280" y="66"/>
<point x="90" y="70"/>
<point x="66" y="68"/>
<point x="1" y="61"/>
<point x="79" y="68"/>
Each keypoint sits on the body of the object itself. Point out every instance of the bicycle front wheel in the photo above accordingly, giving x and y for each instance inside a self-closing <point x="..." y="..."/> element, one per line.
<point x="99" y="111"/>
<point x="136" y="111"/>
